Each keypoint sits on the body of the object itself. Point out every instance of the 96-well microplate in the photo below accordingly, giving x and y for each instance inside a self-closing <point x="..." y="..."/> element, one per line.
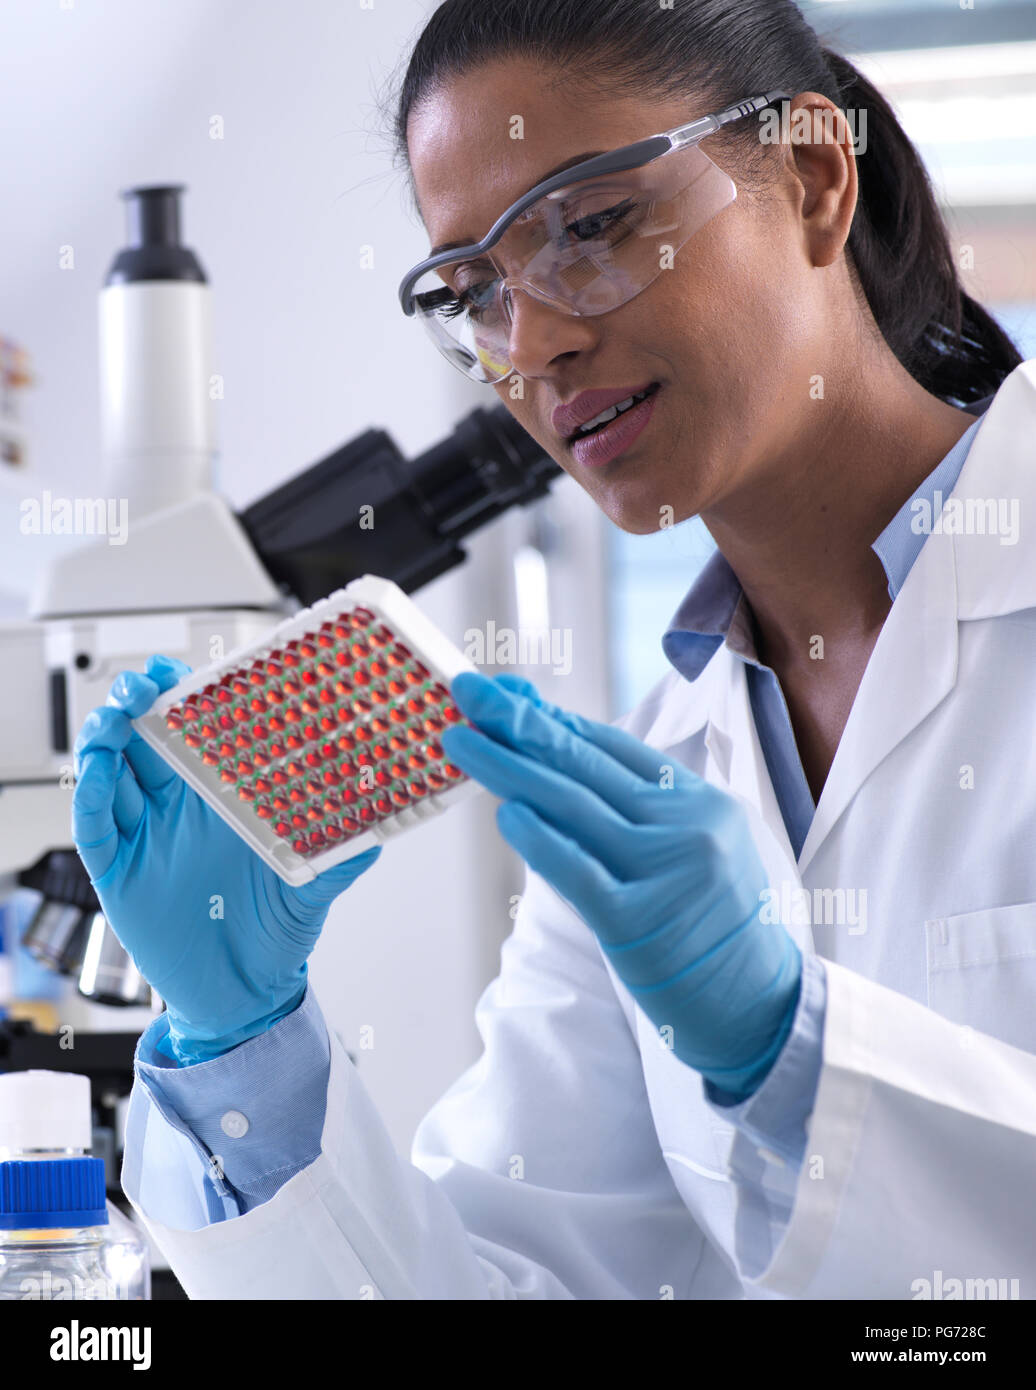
<point x="322" y="739"/>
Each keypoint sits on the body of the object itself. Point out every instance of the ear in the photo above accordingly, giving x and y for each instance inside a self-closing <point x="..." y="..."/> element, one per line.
<point x="821" y="157"/>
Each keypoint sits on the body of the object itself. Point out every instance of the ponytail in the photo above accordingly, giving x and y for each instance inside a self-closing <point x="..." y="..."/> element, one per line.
<point x="901" y="250"/>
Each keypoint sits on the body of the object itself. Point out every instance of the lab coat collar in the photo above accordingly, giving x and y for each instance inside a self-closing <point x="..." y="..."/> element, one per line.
<point x="994" y="579"/>
<point x="954" y="579"/>
<point x="914" y="663"/>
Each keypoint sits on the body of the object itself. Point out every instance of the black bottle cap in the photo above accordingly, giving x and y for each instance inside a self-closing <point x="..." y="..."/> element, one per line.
<point x="154" y="251"/>
<point x="153" y="215"/>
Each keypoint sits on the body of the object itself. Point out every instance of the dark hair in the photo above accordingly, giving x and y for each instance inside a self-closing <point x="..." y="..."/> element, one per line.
<point x="727" y="50"/>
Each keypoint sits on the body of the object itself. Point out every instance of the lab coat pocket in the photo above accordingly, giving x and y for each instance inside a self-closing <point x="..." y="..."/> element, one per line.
<point x="982" y="971"/>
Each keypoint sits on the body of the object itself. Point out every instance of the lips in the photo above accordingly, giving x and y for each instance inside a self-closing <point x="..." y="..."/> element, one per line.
<point x="602" y="446"/>
<point x="567" y="419"/>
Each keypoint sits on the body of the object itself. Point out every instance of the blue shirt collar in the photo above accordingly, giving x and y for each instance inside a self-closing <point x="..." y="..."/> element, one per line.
<point x="715" y="609"/>
<point x="899" y="544"/>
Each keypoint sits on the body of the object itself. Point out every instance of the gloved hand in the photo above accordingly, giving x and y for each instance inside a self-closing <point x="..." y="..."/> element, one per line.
<point x="657" y="862"/>
<point x="221" y="937"/>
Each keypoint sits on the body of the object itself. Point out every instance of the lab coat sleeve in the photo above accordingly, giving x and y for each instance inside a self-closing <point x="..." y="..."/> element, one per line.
<point x="918" y="1164"/>
<point x="256" y="1112"/>
<point x="774" y="1120"/>
<point x="537" y="1175"/>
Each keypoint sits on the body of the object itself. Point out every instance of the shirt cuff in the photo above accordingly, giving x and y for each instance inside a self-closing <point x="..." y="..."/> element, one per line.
<point x="770" y="1129"/>
<point x="775" y="1117"/>
<point x="256" y="1112"/>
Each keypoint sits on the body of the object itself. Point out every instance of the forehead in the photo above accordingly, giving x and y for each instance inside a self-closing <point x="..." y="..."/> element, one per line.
<point x="480" y="141"/>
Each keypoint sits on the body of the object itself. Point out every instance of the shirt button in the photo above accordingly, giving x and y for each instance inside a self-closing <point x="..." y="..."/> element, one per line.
<point x="234" y="1124"/>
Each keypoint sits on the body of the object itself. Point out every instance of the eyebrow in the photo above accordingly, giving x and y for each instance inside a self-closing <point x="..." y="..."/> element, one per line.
<point x="565" y="164"/>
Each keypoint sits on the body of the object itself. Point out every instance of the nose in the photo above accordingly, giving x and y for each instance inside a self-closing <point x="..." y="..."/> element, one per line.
<point x="539" y="332"/>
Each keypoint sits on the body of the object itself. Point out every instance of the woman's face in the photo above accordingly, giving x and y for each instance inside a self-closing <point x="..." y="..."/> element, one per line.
<point x="733" y="333"/>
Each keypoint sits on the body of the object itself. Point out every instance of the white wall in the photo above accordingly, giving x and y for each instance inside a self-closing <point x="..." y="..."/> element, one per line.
<point x="117" y="92"/>
<point x="313" y="350"/>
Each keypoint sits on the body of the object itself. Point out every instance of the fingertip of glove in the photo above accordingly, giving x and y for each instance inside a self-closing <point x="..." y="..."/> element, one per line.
<point x="457" y="741"/>
<point x="166" y="671"/>
<point x="128" y="687"/>
<point x="518" y="685"/>
<point x="470" y="687"/>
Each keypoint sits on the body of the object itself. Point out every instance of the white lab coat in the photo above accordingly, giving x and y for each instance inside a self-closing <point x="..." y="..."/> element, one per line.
<point x="580" y="1158"/>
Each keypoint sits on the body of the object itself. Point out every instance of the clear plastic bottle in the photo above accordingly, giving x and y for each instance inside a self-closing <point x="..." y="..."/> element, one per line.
<point x="59" y="1237"/>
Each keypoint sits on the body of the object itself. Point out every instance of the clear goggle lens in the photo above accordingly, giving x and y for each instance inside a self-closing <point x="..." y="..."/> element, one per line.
<point x="584" y="250"/>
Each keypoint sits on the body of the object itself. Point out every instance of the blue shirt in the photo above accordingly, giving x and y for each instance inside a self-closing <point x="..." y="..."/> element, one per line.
<point x="254" y="1117"/>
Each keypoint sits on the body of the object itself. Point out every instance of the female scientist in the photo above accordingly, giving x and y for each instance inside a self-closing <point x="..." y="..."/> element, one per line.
<point x="766" y="1023"/>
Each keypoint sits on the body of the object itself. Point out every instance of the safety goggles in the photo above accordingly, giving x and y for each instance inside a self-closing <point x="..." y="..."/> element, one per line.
<point x="583" y="241"/>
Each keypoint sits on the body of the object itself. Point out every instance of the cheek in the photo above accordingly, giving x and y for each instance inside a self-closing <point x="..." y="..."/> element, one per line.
<point x="767" y="293"/>
<point x="738" y="327"/>
<point x="726" y="292"/>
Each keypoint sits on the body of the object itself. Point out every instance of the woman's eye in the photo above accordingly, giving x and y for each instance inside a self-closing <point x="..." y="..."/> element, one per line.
<point x="448" y="305"/>
<point x="595" y="224"/>
<point x="473" y="299"/>
<point x="450" y="308"/>
<point x="442" y="302"/>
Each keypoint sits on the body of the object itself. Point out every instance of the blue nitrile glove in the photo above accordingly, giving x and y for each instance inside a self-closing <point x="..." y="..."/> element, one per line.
<point x="657" y="862"/>
<point x="221" y="938"/>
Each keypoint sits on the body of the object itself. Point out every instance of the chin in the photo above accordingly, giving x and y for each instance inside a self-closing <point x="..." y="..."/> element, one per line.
<point x="636" y="521"/>
<point x="640" y="511"/>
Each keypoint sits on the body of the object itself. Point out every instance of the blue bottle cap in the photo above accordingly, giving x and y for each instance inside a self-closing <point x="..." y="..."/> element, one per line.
<point x="52" y="1192"/>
